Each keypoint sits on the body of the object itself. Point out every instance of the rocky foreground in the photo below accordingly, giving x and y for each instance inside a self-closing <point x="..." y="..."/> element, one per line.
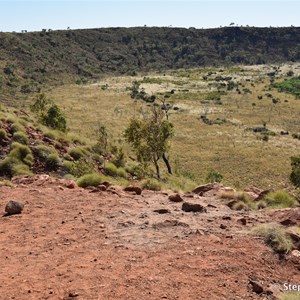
<point x="107" y="243"/>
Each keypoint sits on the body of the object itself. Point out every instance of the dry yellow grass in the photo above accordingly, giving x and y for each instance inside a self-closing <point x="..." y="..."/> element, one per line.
<point x="230" y="148"/>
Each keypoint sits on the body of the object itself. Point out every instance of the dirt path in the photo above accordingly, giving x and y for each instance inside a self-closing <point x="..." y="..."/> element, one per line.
<point x="77" y="244"/>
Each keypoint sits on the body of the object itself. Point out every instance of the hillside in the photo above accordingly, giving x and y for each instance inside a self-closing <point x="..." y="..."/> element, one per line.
<point x="30" y="59"/>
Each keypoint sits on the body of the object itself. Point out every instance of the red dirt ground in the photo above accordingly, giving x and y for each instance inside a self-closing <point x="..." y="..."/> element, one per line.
<point x="79" y="244"/>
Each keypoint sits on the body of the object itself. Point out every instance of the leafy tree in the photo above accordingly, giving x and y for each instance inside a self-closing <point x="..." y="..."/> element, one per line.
<point x="55" y="118"/>
<point x="149" y="137"/>
<point x="295" y="175"/>
<point x="41" y="104"/>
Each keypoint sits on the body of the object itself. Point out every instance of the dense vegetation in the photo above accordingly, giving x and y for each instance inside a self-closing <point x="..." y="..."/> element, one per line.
<point x="291" y="86"/>
<point x="29" y="59"/>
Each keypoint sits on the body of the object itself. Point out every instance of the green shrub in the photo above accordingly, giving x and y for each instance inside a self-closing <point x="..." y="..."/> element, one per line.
<point x="280" y="199"/>
<point x="55" y="118"/>
<point x="77" y="153"/>
<point x="20" y="137"/>
<point x="20" y="169"/>
<point x="110" y="169"/>
<point x="17" y="127"/>
<point x="52" y="161"/>
<point x="93" y="179"/>
<point x="3" y="135"/>
<point x="78" y="168"/>
<point x="214" y="176"/>
<point x="19" y="151"/>
<point x="11" y="166"/>
<point x="152" y="184"/>
<point x="28" y="160"/>
<point x="121" y="172"/>
<point x="274" y="236"/>
<point x="43" y="151"/>
<point x="136" y="170"/>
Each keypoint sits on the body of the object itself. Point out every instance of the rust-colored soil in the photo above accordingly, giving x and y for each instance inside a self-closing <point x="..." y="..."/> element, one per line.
<point x="80" y="244"/>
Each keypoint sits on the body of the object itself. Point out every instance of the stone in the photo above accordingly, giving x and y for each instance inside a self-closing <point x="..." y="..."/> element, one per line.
<point x="295" y="253"/>
<point x="71" y="185"/>
<point x="191" y="207"/>
<point x="106" y="183"/>
<point x="223" y="226"/>
<point x="200" y="190"/>
<point x="256" y="287"/>
<point x="162" y="211"/>
<point x="243" y="221"/>
<point x="135" y="189"/>
<point x="13" y="207"/>
<point x="231" y="203"/>
<point x="288" y="222"/>
<point x="175" y="198"/>
<point x="102" y="187"/>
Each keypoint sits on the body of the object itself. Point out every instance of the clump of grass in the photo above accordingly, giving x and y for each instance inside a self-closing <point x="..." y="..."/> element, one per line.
<point x="93" y="179"/>
<point x="78" y="153"/>
<point x="280" y="199"/>
<point x="43" y="151"/>
<point x="274" y="236"/>
<point x="17" y="127"/>
<point x="19" y="151"/>
<point x="3" y="135"/>
<point x="290" y="296"/>
<point x="152" y="184"/>
<point x="111" y="170"/>
<point x="52" y="161"/>
<point x="240" y="206"/>
<point x="20" y="137"/>
<point x="121" y="172"/>
<point x="180" y="183"/>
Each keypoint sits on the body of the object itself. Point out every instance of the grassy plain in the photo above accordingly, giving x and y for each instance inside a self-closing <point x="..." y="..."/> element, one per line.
<point x="230" y="147"/>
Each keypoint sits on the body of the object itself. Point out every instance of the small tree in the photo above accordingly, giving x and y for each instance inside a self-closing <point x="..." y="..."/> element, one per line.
<point x="55" y="118"/>
<point x="41" y="104"/>
<point x="149" y="137"/>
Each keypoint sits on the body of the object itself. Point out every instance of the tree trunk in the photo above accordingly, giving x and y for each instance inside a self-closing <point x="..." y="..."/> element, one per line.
<point x="157" y="168"/>
<point x="167" y="163"/>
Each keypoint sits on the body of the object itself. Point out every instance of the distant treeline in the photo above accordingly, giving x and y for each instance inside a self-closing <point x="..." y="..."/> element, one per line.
<point x="48" y="56"/>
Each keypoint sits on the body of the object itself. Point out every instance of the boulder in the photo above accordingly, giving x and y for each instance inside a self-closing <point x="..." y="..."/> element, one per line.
<point x="256" y="287"/>
<point x="200" y="190"/>
<point x="175" y="198"/>
<point x="135" y="189"/>
<point x="192" y="207"/>
<point x="13" y="207"/>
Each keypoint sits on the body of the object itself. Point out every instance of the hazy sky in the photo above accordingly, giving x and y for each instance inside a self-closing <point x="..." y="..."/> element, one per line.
<point x="39" y="14"/>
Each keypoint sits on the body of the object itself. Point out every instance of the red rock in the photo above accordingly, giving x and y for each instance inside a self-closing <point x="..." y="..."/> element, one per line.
<point x="135" y="189"/>
<point x="175" y="198"/>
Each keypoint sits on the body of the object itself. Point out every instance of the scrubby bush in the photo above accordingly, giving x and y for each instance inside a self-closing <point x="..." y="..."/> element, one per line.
<point x="55" y="118"/>
<point x="52" y="161"/>
<point x="43" y="151"/>
<point x="20" y="169"/>
<point x="93" y="179"/>
<point x="78" y="168"/>
<point x="78" y="153"/>
<point x="3" y="135"/>
<point x="20" y="137"/>
<point x="274" y="236"/>
<point x="214" y="176"/>
<point x="152" y="184"/>
<point x="11" y="166"/>
<point x="240" y="206"/>
<point x="280" y="199"/>
<point x="28" y="160"/>
<point x="121" y="172"/>
<point x="110" y="169"/>
<point x="19" y="151"/>
<point x="17" y="127"/>
<point x="136" y="170"/>
<point x="295" y="174"/>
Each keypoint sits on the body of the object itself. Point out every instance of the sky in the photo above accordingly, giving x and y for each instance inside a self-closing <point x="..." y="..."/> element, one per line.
<point x="43" y="14"/>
